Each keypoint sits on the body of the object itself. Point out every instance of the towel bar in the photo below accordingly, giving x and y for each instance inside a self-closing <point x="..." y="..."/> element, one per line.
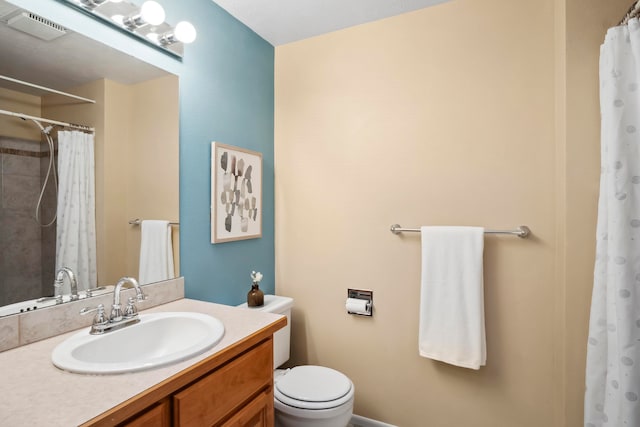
<point x="138" y="221"/>
<point x="523" y="231"/>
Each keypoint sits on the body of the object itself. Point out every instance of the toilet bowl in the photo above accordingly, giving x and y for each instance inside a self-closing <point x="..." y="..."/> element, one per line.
<point x="313" y="396"/>
<point x="307" y="395"/>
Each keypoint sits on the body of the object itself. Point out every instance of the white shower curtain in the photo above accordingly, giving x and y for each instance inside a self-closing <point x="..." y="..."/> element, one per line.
<point x="613" y="349"/>
<point x="76" y="231"/>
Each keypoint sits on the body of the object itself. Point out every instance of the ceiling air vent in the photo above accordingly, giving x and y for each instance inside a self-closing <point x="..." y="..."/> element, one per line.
<point x="36" y="26"/>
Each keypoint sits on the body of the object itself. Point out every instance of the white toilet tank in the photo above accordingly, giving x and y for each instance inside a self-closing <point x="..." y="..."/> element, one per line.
<point x="281" y="339"/>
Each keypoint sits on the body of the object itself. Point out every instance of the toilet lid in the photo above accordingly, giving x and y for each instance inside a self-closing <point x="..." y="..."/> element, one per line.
<point x="314" y="384"/>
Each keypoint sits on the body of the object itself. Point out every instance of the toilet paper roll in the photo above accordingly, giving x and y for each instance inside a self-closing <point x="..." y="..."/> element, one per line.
<point x="358" y="306"/>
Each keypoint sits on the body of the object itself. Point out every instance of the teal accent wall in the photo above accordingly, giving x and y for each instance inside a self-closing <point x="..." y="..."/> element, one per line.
<point x="226" y="95"/>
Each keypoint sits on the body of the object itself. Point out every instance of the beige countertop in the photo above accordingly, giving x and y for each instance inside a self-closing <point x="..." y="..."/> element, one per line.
<point x="33" y="392"/>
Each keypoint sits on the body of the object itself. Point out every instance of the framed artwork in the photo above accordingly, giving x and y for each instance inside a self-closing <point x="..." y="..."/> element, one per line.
<point x="236" y="193"/>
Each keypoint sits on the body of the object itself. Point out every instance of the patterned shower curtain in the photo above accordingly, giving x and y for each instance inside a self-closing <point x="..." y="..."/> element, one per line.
<point x="613" y="349"/>
<point x="76" y="230"/>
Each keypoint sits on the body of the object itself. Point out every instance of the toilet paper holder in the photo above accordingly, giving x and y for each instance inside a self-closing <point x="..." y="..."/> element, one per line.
<point x="354" y="303"/>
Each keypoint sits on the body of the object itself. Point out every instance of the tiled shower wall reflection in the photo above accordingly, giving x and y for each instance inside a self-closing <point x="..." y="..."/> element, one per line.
<point x="27" y="250"/>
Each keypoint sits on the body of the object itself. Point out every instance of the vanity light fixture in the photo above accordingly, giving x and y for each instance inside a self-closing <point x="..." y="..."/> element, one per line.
<point x="151" y="12"/>
<point x="184" y="32"/>
<point x="146" y="21"/>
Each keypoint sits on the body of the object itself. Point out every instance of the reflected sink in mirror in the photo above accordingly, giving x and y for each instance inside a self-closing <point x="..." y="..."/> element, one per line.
<point x="159" y="339"/>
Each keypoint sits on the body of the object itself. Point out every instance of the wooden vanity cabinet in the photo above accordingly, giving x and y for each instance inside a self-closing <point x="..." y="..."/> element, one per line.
<point x="231" y="388"/>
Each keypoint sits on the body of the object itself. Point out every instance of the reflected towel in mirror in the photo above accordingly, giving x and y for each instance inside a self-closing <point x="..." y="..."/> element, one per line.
<point x="156" y="252"/>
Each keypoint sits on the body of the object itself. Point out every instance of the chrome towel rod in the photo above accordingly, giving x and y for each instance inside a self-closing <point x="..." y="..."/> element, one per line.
<point x="523" y="231"/>
<point x="138" y="221"/>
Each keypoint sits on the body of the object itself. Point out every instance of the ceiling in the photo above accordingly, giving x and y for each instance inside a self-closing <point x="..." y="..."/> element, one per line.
<point x="285" y="21"/>
<point x="74" y="59"/>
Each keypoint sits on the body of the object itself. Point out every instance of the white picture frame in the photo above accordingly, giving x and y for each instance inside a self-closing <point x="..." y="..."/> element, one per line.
<point x="236" y="193"/>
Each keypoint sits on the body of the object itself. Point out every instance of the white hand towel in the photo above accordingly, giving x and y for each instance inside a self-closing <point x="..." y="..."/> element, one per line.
<point x="452" y="298"/>
<point x="156" y="252"/>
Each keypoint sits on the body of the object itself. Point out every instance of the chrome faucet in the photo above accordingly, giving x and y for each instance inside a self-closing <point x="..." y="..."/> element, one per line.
<point x="116" y="309"/>
<point x="117" y="320"/>
<point x="57" y="284"/>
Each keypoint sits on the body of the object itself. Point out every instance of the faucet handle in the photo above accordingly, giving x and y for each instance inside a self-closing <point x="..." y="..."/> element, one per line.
<point x="89" y="292"/>
<point x="87" y="310"/>
<point x="130" y="310"/>
<point x="100" y="317"/>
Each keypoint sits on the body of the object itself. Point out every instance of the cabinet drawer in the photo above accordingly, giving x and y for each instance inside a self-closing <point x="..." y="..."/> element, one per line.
<point x="157" y="416"/>
<point x="216" y="395"/>
<point x="258" y="413"/>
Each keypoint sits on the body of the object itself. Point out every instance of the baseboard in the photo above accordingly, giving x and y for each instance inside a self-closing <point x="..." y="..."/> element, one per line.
<point x="358" y="421"/>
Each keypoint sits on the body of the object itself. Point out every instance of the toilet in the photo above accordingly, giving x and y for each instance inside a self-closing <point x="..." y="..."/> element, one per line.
<point x="308" y="395"/>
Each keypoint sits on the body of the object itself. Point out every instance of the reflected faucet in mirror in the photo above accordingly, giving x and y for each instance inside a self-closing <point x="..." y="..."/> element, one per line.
<point x="59" y="282"/>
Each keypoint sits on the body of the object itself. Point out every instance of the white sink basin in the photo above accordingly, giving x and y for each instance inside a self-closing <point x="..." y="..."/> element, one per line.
<point x="158" y="340"/>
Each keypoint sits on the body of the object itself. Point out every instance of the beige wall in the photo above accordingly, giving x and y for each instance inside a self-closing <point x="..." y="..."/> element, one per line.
<point x="153" y="175"/>
<point x="141" y="167"/>
<point x="467" y="113"/>
<point x="19" y="102"/>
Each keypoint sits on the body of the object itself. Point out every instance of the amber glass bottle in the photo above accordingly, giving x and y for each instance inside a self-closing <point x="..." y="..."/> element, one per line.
<point x="255" y="297"/>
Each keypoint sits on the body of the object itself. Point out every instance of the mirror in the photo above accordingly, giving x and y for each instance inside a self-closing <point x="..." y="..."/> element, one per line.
<point x="136" y="121"/>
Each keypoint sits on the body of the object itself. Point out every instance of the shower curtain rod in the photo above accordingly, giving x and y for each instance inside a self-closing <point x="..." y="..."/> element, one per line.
<point x="633" y="12"/>
<point x="53" y="122"/>
<point x="48" y="89"/>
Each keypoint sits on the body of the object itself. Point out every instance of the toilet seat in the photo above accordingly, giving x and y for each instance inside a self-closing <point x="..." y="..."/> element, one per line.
<point x="313" y="387"/>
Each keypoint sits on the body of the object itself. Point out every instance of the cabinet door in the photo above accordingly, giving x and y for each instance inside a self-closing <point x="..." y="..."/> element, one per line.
<point x="258" y="413"/>
<point x="225" y="391"/>
<point x="158" y="416"/>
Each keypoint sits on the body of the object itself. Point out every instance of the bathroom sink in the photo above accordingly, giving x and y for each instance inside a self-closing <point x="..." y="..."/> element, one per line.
<point x="159" y="339"/>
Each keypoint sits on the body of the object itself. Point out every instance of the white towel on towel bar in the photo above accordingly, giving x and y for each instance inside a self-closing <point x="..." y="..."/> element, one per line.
<point x="451" y="298"/>
<point x="156" y="252"/>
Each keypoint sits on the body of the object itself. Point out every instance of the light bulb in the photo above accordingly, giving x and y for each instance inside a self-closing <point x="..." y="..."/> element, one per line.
<point x="152" y="12"/>
<point x="115" y="1"/>
<point x="185" y="32"/>
<point x="118" y="19"/>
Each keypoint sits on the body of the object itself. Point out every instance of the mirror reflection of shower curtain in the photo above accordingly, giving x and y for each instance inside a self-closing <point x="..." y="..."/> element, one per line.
<point x="76" y="230"/>
<point x="613" y="349"/>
